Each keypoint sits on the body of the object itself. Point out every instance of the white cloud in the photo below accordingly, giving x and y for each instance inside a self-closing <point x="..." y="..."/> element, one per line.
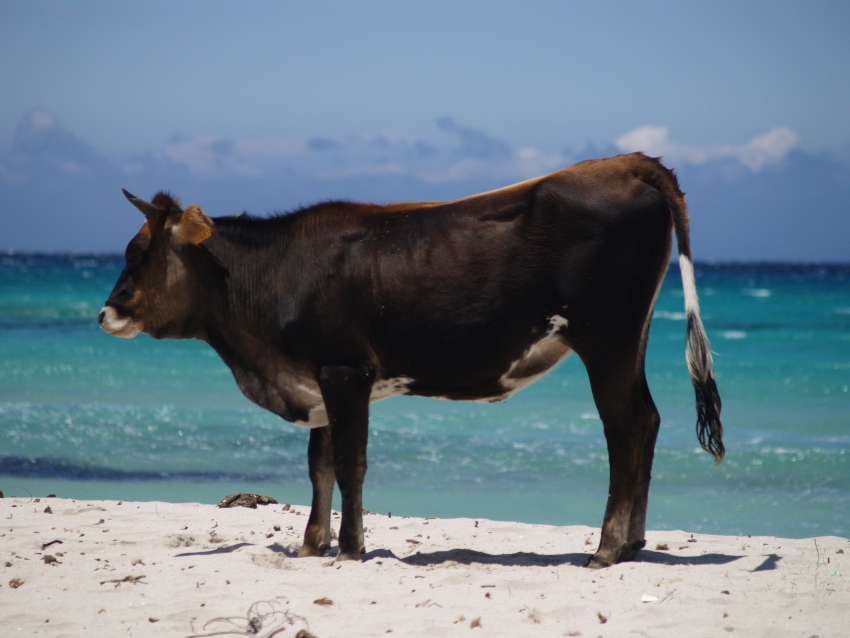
<point x="652" y="140"/>
<point x="769" y="148"/>
<point x="761" y="151"/>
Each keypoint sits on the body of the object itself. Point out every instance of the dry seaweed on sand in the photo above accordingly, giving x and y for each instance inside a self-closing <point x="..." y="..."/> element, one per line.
<point x="246" y="500"/>
<point x="264" y="619"/>
<point x="133" y="580"/>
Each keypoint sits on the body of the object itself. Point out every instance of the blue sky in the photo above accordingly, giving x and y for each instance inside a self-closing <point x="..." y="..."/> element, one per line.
<point x="266" y="106"/>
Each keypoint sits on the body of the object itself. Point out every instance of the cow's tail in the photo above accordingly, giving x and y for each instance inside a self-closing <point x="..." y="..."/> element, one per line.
<point x="698" y="352"/>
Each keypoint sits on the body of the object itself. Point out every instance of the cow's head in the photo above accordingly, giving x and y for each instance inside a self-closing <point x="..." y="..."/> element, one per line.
<point x="155" y="291"/>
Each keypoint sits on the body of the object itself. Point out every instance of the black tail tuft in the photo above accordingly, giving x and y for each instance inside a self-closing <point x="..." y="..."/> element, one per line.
<point x="709" y="428"/>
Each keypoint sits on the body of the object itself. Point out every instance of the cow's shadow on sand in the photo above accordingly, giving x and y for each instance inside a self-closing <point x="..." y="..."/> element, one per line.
<point x="470" y="556"/>
<point x="663" y="558"/>
<point x="516" y="559"/>
<point x="224" y="549"/>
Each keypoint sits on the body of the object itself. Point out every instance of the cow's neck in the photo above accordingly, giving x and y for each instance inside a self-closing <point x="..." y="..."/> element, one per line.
<point x="235" y="280"/>
<point x="242" y="315"/>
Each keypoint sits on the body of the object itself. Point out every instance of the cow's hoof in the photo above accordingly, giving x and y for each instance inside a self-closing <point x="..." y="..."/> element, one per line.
<point x="356" y="555"/>
<point x="306" y="551"/>
<point x="630" y="550"/>
<point x="598" y="561"/>
<point x="607" y="558"/>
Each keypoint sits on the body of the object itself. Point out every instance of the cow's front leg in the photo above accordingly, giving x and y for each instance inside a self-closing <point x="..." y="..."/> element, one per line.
<point x="346" y="391"/>
<point x="317" y="537"/>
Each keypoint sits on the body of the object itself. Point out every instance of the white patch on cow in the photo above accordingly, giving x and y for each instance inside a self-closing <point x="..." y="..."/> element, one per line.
<point x="317" y="416"/>
<point x="556" y="322"/>
<point x="386" y="388"/>
<point x="313" y="392"/>
<point x="309" y="395"/>
<point x="541" y="357"/>
<point x="118" y="326"/>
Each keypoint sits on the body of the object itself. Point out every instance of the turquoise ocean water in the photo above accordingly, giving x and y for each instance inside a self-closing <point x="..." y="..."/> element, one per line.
<point x="85" y="415"/>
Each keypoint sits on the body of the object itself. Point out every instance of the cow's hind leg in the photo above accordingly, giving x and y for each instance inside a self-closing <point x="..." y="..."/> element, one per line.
<point x="317" y="537"/>
<point x="346" y="391"/>
<point x="631" y="424"/>
<point x="637" y="522"/>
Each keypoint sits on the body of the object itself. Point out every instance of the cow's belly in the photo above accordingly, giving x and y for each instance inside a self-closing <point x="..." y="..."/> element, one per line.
<point x="537" y="360"/>
<point x="540" y="358"/>
<point x="491" y="385"/>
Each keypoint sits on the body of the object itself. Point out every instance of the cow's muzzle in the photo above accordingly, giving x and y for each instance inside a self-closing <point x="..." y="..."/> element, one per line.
<point x="115" y="324"/>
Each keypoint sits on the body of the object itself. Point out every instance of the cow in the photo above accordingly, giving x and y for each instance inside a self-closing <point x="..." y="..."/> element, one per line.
<point x="323" y="310"/>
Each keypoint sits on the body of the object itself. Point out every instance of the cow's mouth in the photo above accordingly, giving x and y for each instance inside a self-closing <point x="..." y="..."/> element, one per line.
<point x="115" y="324"/>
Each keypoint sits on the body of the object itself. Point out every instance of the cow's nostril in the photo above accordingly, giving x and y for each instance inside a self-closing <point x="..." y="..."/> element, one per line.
<point x="100" y="317"/>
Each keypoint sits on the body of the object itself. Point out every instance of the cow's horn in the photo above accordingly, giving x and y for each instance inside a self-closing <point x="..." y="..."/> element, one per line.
<point x="148" y="209"/>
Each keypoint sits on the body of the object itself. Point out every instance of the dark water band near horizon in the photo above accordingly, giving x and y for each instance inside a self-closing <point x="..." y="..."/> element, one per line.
<point x="84" y="415"/>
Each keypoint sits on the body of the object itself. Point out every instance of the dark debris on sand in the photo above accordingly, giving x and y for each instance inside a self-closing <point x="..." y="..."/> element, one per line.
<point x="246" y="500"/>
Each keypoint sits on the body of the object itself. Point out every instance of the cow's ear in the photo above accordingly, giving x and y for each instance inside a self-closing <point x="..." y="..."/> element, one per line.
<point x="194" y="227"/>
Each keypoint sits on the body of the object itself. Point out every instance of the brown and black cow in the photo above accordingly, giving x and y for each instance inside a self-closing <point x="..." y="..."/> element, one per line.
<point x="323" y="310"/>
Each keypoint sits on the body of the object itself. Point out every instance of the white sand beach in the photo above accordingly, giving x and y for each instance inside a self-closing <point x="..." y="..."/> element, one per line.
<point x="107" y="568"/>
